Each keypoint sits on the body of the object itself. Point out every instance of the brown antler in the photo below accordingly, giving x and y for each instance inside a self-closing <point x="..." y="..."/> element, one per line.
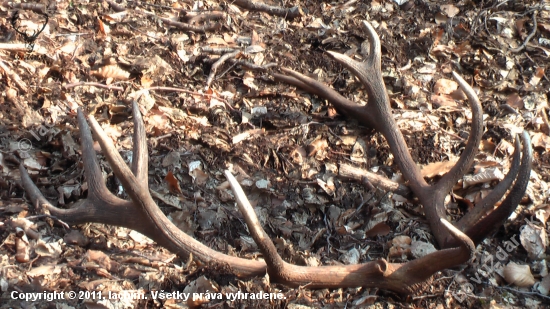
<point x="144" y="216"/>
<point x="377" y="114"/>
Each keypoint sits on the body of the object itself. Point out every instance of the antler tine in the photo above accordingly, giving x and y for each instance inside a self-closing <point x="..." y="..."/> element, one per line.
<point x="96" y="183"/>
<point x="369" y="72"/>
<point x="140" y="161"/>
<point x="497" y="217"/>
<point x="100" y="206"/>
<point x="313" y="86"/>
<point x="405" y="278"/>
<point x="381" y="118"/>
<point x="467" y="157"/>
<point x="487" y="203"/>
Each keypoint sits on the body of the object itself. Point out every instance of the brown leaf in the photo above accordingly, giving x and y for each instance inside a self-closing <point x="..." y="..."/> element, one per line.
<point x="443" y="100"/>
<point x="22" y="249"/>
<point x="534" y="239"/>
<point x="541" y="140"/>
<point x="519" y="275"/>
<point x="101" y="27"/>
<point x="197" y="173"/>
<point x="173" y="183"/>
<point x="381" y="229"/>
<point x="102" y="260"/>
<point x="437" y="168"/>
<point x="111" y="71"/>
<point x="515" y="101"/>
<point x="445" y="86"/>
<point x="75" y="237"/>
<point x="542" y="213"/>
<point x="535" y="79"/>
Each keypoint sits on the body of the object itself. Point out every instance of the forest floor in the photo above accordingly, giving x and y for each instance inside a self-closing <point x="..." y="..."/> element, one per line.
<point x="204" y="115"/>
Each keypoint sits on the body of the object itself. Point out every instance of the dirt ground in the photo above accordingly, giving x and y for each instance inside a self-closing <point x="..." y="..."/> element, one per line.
<point x="201" y="73"/>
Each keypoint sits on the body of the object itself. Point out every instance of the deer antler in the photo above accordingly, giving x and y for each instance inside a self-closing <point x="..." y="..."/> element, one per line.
<point x="377" y="114"/>
<point x="143" y="215"/>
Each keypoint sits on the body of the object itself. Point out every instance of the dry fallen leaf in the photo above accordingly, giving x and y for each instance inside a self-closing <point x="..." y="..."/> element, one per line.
<point x="401" y="247"/>
<point x="449" y="10"/>
<point x="518" y="275"/>
<point x="420" y="249"/>
<point x="515" y="101"/>
<point x="22" y="247"/>
<point x="541" y="140"/>
<point x="75" y="237"/>
<point x="196" y="172"/>
<point x="483" y="176"/>
<point x="543" y="286"/>
<point x="111" y="71"/>
<point x="542" y="213"/>
<point x="173" y="184"/>
<point x="437" y="168"/>
<point x="534" y="239"/>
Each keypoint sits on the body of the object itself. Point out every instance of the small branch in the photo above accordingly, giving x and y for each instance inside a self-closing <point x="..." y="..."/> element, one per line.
<point x="252" y="66"/>
<point x="35" y="7"/>
<point x="529" y="37"/>
<point x="228" y="50"/>
<point x="116" y="7"/>
<point x="19" y="47"/>
<point x="287" y="13"/>
<point x="217" y="64"/>
<point x="376" y="180"/>
<point x="99" y="85"/>
<point x="198" y="17"/>
<point x="159" y="88"/>
<point x="11" y="74"/>
<point x="522" y="292"/>
<point x="65" y="225"/>
<point x="182" y="26"/>
<point x="217" y="50"/>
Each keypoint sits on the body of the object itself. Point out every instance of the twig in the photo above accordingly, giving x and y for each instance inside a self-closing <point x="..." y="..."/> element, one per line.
<point x="529" y="37"/>
<point x="197" y="17"/>
<point x="182" y="26"/>
<point x="150" y="4"/>
<point x="217" y="64"/>
<point x="217" y="50"/>
<point x="522" y="292"/>
<point x="11" y="74"/>
<point x="99" y="85"/>
<point x="287" y="13"/>
<point x="36" y="7"/>
<point x="349" y="171"/>
<point x="252" y="66"/>
<point x="159" y="88"/>
<point x="19" y="47"/>
<point x="228" y="50"/>
<point x="117" y="7"/>
<point x="65" y="225"/>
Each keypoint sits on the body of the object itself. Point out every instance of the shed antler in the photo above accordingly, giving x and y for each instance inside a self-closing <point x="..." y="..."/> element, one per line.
<point x="143" y="215"/>
<point x="377" y="114"/>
